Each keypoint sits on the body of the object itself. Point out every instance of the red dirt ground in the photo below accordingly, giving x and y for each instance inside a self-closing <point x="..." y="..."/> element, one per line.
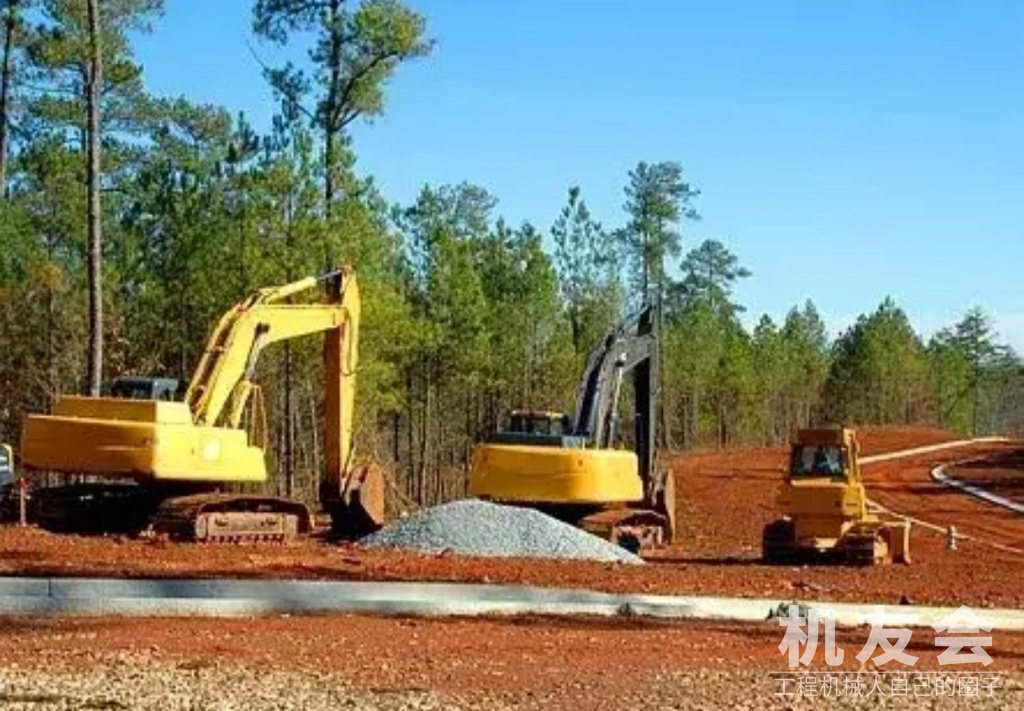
<point x="594" y="663"/>
<point x="725" y="498"/>
<point x="457" y="656"/>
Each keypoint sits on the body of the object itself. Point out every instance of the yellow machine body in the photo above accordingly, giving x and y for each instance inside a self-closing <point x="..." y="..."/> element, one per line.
<point x="824" y="507"/>
<point x="144" y="439"/>
<point x="555" y="475"/>
<point x="201" y="442"/>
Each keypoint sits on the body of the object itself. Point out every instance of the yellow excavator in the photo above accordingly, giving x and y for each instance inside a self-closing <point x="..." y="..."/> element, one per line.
<point x="573" y="467"/>
<point x="825" y="508"/>
<point x="178" y="454"/>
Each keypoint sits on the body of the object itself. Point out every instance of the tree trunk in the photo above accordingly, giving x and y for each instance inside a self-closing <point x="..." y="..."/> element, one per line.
<point x="424" y="443"/>
<point x="410" y="436"/>
<point x="95" y="238"/>
<point x="10" y="24"/>
<point x="332" y="112"/>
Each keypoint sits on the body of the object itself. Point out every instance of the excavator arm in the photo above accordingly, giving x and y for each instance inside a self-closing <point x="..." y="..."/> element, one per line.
<point x="223" y="381"/>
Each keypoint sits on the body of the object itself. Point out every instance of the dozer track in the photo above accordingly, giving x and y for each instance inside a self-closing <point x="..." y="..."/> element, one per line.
<point x="859" y="547"/>
<point x="231" y="518"/>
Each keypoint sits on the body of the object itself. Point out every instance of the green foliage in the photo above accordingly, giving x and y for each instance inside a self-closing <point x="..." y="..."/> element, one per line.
<point x="709" y="274"/>
<point x="353" y="56"/>
<point x="657" y="199"/>
<point x="972" y="376"/>
<point x="878" y="370"/>
<point x="586" y="261"/>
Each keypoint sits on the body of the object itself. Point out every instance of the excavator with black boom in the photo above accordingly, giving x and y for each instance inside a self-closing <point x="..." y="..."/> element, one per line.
<point x="573" y="467"/>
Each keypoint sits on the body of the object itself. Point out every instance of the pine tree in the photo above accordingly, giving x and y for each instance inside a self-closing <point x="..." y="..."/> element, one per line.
<point x="356" y="50"/>
<point x="657" y="200"/>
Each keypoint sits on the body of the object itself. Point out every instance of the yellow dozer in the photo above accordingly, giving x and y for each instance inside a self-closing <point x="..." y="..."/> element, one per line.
<point x="825" y="509"/>
<point x="178" y="455"/>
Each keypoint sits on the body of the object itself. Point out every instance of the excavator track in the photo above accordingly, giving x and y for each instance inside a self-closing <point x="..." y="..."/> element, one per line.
<point x="633" y="529"/>
<point x="93" y="507"/>
<point x="231" y="518"/>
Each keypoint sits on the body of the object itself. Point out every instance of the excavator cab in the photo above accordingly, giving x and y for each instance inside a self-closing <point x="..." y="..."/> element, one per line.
<point x="538" y="427"/>
<point x="540" y="422"/>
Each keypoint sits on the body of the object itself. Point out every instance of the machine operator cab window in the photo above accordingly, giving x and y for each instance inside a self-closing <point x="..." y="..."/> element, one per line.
<point x="540" y="428"/>
<point x="818" y="460"/>
<point x="539" y="423"/>
<point x="143" y="388"/>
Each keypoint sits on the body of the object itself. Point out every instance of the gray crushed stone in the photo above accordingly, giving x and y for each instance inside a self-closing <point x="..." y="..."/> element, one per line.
<point x="479" y="528"/>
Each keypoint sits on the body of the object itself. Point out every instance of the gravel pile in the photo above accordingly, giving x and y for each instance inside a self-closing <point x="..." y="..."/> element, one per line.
<point x="479" y="528"/>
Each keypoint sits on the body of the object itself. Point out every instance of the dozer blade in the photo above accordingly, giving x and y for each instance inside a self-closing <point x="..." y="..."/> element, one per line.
<point x="231" y="518"/>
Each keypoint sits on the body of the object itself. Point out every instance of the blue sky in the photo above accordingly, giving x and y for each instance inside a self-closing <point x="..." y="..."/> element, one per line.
<point x="845" y="150"/>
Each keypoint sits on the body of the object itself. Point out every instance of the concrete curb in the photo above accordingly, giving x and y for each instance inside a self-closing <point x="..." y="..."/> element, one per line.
<point x="904" y="453"/>
<point x="939" y="474"/>
<point x="233" y="598"/>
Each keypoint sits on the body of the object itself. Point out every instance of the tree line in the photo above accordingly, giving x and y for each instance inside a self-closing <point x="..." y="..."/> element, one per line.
<point x="130" y="222"/>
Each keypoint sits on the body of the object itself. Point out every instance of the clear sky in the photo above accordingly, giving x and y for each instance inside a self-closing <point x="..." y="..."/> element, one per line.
<point x="845" y="150"/>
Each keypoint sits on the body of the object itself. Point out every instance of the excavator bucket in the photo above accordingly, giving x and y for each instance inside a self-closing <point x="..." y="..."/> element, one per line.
<point x="359" y="510"/>
<point x="665" y="502"/>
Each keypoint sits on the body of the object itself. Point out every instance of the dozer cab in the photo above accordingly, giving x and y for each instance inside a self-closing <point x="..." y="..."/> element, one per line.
<point x="180" y="450"/>
<point x="825" y="510"/>
<point x="572" y="467"/>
